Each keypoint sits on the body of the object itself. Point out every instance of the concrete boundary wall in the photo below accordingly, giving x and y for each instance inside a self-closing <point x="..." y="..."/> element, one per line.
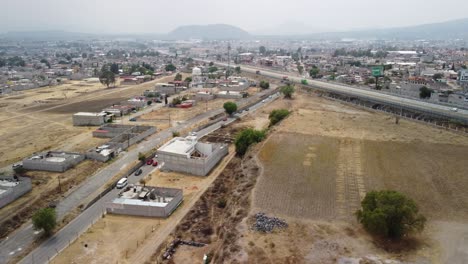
<point x="147" y="210"/>
<point x="13" y="193"/>
<point x="194" y="166"/>
<point x="59" y="166"/>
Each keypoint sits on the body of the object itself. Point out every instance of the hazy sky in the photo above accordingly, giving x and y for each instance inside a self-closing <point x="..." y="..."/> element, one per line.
<point x="160" y="16"/>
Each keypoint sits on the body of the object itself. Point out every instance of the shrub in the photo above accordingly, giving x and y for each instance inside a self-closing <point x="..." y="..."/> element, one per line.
<point x="175" y="134"/>
<point x="141" y="156"/>
<point x="246" y="138"/>
<point x="264" y="85"/>
<point x="390" y="214"/>
<point x="277" y="115"/>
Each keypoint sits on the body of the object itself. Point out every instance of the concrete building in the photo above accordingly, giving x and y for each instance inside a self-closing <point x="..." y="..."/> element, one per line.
<point x="169" y="89"/>
<point x="53" y="161"/>
<point x="190" y="156"/>
<point x="103" y="153"/>
<point x="12" y="188"/>
<point x="229" y="95"/>
<point x="204" y="96"/>
<point x="122" y="137"/>
<point x="146" y="201"/>
<point x="90" y="119"/>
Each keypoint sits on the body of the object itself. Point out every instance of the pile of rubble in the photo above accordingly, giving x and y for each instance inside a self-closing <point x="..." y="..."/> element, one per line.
<point x="266" y="224"/>
<point x="173" y="246"/>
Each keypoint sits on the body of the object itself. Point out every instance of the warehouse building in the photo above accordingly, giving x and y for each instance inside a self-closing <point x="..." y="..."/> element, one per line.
<point x="53" y="161"/>
<point x="91" y="119"/>
<point x="146" y="201"/>
<point x="190" y="156"/>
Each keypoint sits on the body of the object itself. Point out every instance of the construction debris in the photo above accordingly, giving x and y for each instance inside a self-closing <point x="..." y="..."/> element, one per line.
<point x="266" y="224"/>
<point x="170" y="251"/>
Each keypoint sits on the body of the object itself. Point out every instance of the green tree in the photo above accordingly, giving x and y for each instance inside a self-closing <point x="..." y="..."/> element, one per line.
<point x="212" y="69"/>
<point x="300" y="69"/>
<point x="370" y="81"/>
<point x="287" y="91"/>
<point x="438" y="76"/>
<point x="170" y="67"/>
<point x="390" y="214"/>
<point x="314" y="72"/>
<point x="211" y="63"/>
<point x="107" y="77"/>
<point x="188" y="80"/>
<point x="238" y="69"/>
<point x="262" y="50"/>
<point x="178" y="77"/>
<point x="425" y="92"/>
<point x="277" y="115"/>
<point x="230" y="107"/>
<point x="264" y="84"/>
<point x="246" y="138"/>
<point x="45" y="219"/>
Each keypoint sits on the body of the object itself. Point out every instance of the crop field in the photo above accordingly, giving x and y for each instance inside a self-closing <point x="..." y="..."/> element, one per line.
<point x="318" y="165"/>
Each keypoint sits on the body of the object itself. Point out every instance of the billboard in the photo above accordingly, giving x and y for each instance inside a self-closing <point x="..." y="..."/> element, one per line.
<point x="377" y="71"/>
<point x="464" y="76"/>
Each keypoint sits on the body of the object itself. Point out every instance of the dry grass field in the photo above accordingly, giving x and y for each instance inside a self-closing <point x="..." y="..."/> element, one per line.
<point x="41" y="119"/>
<point x="319" y="163"/>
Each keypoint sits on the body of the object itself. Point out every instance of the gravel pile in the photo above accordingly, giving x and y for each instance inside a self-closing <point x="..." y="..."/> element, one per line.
<point x="266" y="224"/>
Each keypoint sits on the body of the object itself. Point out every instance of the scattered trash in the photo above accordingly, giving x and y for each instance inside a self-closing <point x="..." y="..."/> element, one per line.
<point x="266" y="224"/>
<point x="173" y="246"/>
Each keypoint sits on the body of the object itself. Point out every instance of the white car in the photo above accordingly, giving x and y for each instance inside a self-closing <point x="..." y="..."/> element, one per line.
<point x="454" y="109"/>
<point x="263" y="101"/>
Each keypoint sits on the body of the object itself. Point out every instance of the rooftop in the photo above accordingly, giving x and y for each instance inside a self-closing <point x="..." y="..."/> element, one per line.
<point x="179" y="145"/>
<point x="89" y="114"/>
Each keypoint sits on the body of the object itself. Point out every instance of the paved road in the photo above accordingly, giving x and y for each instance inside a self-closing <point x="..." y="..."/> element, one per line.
<point x="436" y="109"/>
<point x="52" y="246"/>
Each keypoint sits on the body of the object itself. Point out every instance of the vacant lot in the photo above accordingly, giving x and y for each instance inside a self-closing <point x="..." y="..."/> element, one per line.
<point x="182" y="114"/>
<point x="316" y="166"/>
<point x="41" y="118"/>
<point x="118" y="238"/>
<point x="319" y="164"/>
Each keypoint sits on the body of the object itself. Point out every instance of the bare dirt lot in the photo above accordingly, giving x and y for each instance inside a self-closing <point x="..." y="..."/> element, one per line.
<point x="316" y="166"/>
<point x="135" y="233"/>
<point x="32" y="122"/>
<point x="182" y="114"/>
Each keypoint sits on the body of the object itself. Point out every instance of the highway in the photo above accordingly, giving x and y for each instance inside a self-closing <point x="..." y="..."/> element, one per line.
<point x="410" y="104"/>
<point x="60" y="240"/>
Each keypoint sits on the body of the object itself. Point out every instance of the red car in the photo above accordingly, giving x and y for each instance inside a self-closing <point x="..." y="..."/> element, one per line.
<point x="155" y="163"/>
<point x="149" y="162"/>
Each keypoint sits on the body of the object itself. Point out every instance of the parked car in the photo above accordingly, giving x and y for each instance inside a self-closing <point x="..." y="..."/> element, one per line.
<point x="454" y="109"/>
<point x="138" y="172"/>
<point x="133" y="119"/>
<point x="257" y="72"/>
<point x="225" y="119"/>
<point x="155" y="163"/>
<point x="149" y="162"/>
<point x="122" y="183"/>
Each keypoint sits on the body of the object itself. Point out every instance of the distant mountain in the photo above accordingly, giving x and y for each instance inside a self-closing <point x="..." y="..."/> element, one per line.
<point x="290" y="28"/>
<point x="214" y="31"/>
<point x="46" y="35"/>
<point x="454" y="29"/>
